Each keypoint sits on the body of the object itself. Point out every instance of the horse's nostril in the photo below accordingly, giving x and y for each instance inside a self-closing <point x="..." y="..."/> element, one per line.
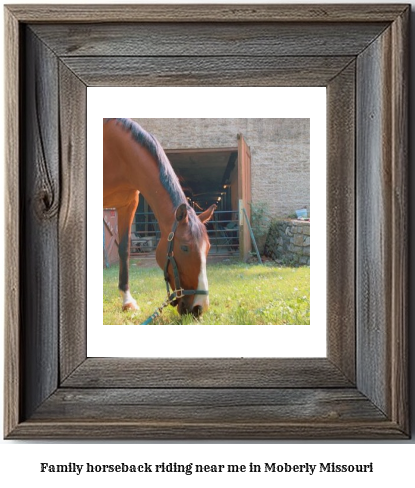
<point x="197" y="311"/>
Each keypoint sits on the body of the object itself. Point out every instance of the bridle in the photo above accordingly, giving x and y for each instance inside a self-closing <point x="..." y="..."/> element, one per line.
<point x="178" y="291"/>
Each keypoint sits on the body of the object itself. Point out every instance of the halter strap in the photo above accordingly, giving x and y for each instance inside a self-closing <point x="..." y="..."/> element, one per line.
<point x="178" y="292"/>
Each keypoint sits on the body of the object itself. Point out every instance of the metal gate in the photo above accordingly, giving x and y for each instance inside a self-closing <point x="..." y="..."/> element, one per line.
<point x="223" y="231"/>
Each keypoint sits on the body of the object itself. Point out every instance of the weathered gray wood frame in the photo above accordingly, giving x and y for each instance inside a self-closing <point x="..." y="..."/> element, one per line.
<point x="359" y="52"/>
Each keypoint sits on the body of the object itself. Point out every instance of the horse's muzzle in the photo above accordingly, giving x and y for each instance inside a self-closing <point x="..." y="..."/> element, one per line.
<point x="197" y="311"/>
<point x="186" y="306"/>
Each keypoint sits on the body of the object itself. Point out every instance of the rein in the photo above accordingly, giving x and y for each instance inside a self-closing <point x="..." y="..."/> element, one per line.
<point x="178" y="292"/>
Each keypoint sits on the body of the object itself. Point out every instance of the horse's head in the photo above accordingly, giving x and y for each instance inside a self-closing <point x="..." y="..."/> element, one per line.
<point x="183" y="255"/>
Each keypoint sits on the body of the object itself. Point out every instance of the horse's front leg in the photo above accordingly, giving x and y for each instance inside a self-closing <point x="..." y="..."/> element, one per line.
<point x="125" y="220"/>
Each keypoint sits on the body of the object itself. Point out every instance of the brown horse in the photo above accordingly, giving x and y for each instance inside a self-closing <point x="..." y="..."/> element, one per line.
<point x="134" y="163"/>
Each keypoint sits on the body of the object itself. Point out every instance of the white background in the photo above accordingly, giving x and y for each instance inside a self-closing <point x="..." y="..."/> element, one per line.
<point x="393" y="461"/>
<point x="207" y="340"/>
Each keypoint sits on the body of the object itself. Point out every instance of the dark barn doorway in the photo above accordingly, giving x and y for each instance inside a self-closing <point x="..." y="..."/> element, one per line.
<point x="218" y="176"/>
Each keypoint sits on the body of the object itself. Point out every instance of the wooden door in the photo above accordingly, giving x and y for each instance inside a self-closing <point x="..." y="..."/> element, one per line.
<point x="110" y="223"/>
<point x="244" y="193"/>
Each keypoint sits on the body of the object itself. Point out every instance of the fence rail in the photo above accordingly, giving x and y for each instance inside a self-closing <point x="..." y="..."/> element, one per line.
<point x="223" y="232"/>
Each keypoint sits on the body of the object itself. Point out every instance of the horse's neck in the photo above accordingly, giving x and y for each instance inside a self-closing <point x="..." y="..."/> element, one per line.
<point x="146" y="179"/>
<point x="165" y="216"/>
<point x="162" y="206"/>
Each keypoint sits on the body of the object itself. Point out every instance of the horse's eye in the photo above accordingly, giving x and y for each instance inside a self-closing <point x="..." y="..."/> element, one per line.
<point x="184" y="248"/>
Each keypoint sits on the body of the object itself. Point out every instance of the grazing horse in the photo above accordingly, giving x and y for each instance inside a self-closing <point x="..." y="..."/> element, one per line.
<point x="134" y="163"/>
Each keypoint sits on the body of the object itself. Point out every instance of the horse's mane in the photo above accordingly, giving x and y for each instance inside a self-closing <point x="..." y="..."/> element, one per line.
<point x="168" y="177"/>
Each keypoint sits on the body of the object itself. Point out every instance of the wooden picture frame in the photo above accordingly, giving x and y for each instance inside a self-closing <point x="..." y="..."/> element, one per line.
<point x="360" y="53"/>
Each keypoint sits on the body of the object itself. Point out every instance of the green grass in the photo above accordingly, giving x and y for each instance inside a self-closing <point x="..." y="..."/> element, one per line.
<point x="241" y="294"/>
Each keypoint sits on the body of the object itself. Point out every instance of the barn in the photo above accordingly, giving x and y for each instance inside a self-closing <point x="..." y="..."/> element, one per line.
<point x="233" y="163"/>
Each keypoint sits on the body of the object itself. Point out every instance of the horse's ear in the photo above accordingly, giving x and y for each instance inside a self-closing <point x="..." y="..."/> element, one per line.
<point x="207" y="214"/>
<point x="181" y="213"/>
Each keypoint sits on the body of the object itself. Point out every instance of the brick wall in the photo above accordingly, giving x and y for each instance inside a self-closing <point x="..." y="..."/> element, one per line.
<point x="280" y="151"/>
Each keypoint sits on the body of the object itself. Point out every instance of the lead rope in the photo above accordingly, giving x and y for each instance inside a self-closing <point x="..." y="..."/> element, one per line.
<point x="159" y="310"/>
<point x="172" y="296"/>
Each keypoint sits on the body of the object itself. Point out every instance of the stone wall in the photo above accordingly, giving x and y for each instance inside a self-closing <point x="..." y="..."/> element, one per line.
<point x="280" y="152"/>
<point x="288" y="241"/>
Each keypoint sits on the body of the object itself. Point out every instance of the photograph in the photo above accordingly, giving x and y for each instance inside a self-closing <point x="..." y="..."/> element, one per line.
<point x="219" y="209"/>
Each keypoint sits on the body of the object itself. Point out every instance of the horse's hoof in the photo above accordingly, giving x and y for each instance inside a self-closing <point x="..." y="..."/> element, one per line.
<point x="130" y="306"/>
